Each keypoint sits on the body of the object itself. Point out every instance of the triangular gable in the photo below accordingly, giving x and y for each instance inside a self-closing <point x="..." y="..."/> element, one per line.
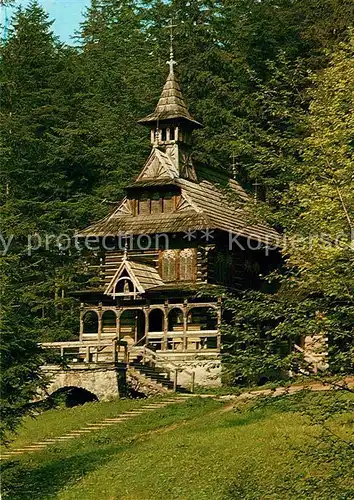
<point x="158" y="165"/>
<point x="186" y="203"/>
<point x="124" y="274"/>
<point x="125" y="208"/>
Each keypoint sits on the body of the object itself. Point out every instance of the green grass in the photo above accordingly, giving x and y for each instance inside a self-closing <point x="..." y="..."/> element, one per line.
<point x="193" y="450"/>
<point x="57" y="422"/>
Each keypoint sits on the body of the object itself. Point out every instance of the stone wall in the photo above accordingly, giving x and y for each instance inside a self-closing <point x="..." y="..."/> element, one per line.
<point x="207" y="371"/>
<point x="105" y="382"/>
<point x="316" y="351"/>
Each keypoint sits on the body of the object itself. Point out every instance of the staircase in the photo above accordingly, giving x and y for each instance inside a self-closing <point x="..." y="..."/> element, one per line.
<point x="154" y="368"/>
<point x="154" y="375"/>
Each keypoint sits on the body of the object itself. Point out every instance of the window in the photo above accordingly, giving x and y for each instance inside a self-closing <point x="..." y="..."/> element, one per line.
<point x="153" y="203"/>
<point x="144" y="204"/>
<point x="168" y="265"/>
<point x="172" y="134"/>
<point x="168" y="203"/>
<point x="178" y="265"/>
<point x="186" y="264"/>
<point x="156" y="203"/>
<point x="163" y="134"/>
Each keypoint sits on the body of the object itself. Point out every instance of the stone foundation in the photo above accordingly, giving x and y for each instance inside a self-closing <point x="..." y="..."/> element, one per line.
<point x="207" y="370"/>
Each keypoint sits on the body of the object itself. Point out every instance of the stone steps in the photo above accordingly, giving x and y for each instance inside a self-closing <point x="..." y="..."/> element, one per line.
<point x="90" y="427"/>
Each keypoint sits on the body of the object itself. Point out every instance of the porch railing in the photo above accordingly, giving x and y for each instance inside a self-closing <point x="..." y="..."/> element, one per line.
<point x="86" y="352"/>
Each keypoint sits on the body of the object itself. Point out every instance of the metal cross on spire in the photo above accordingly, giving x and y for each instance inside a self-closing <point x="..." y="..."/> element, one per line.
<point x="171" y="62"/>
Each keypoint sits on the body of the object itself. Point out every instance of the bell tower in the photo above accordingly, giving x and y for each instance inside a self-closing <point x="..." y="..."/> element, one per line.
<point x="171" y="124"/>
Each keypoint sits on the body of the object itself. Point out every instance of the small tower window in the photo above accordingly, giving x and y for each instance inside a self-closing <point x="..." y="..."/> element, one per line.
<point x="163" y="134"/>
<point x="168" y="265"/>
<point x="172" y="134"/>
<point x="186" y="264"/>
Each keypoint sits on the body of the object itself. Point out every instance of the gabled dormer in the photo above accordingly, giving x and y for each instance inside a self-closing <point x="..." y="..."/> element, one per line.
<point x="133" y="279"/>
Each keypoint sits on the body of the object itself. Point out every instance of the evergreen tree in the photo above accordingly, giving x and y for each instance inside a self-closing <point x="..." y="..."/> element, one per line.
<point x="121" y="86"/>
<point x="43" y="196"/>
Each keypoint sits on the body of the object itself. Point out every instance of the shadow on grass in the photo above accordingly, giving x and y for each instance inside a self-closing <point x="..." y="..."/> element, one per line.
<point x="246" y="417"/>
<point x="31" y="481"/>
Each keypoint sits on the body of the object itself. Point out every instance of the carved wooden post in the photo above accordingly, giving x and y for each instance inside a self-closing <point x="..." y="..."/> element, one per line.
<point x="114" y="351"/>
<point x="100" y="314"/>
<point x="146" y="313"/>
<point x="165" y="326"/>
<point x="219" y="318"/>
<point x="136" y="328"/>
<point x="193" y="382"/>
<point x="61" y="351"/>
<point x="185" y="324"/>
<point x="87" y="357"/>
<point x="175" y="380"/>
<point x="118" y="313"/>
<point x="96" y="355"/>
<point x="81" y="321"/>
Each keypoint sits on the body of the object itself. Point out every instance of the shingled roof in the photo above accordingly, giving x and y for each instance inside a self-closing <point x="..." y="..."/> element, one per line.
<point x="204" y="205"/>
<point x="171" y="104"/>
<point x="204" y="202"/>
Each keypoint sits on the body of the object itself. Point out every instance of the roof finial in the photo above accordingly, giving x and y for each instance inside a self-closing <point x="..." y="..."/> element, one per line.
<point x="171" y="62"/>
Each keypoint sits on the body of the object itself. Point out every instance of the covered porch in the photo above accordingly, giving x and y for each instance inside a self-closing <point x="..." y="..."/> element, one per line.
<point x="169" y="327"/>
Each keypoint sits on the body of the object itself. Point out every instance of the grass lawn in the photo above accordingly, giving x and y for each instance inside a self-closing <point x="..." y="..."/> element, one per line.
<point x="193" y="450"/>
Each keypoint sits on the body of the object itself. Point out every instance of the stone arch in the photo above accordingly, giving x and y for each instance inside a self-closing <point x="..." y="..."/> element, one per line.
<point x="90" y="322"/>
<point x="73" y="395"/>
<point x="102" y="381"/>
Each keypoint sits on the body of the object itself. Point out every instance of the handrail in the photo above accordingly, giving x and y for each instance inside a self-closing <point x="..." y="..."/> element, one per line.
<point x="138" y="342"/>
<point x="99" y="345"/>
<point x="145" y="350"/>
<point x="82" y="343"/>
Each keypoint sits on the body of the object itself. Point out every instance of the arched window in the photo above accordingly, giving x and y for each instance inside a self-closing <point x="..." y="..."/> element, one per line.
<point x="175" y="320"/>
<point x="109" y="324"/>
<point x="186" y="264"/>
<point x="132" y="325"/>
<point x="90" y="322"/>
<point x="124" y="286"/>
<point x="156" y="321"/>
<point x="202" y="318"/>
<point x="168" y="265"/>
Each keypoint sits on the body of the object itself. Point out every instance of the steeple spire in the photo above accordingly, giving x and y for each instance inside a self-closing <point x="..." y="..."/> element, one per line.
<point x="171" y="105"/>
<point x="171" y="61"/>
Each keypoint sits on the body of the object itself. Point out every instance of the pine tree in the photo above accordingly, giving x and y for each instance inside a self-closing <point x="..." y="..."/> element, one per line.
<point x="120" y="87"/>
<point x="42" y="193"/>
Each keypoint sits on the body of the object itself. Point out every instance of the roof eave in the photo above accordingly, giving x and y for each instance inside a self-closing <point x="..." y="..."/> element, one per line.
<point x="153" y="118"/>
